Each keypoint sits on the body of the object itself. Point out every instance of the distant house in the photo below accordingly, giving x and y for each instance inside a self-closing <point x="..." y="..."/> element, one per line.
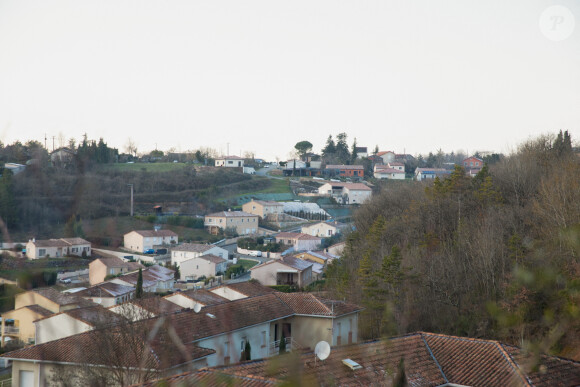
<point x="242" y="222"/>
<point x="143" y="240"/>
<point x="384" y="172"/>
<point x="321" y="257"/>
<point x="346" y="170"/>
<point x="295" y="164"/>
<point x="263" y="208"/>
<point x="57" y="248"/>
<point x="188" y="251"/>
<point x="299" y="241"/>
<point x="346" y="193"/>
<point x="62" y="157"/>
<point x="287" y="271"/>
<point x="229" y="162"/>
<point x="322" y="229"/>
<point x="108" y="293"/>
<point x="207" y="265"/>
<point x="430" y="173"/>
<point x="155" y="279"/>
<point x="387" y="156"/>
<point x="472" y="165"/>
<point x="361" y="152"/>
<point x="100" y="268"/>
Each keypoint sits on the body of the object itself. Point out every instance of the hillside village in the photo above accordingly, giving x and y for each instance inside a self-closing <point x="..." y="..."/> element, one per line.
<point x="235" y="288"/>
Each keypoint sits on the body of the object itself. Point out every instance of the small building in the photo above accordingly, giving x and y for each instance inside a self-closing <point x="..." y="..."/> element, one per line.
<point x="322" y="229"/>
<point x="430" y="173"/>
<point x="361" y="152"/>
<point x="57" y="248"/>
<point x="155" y="279"/>
<point x="346" y="193"/>
<point x="187" y="251"/>
<point x="387" y="173"/>
<point x="387" y="156"/>
<point x="299" y="241"/>
<point x="319" y="256"/>
<point x="207" y="266"/>
<point x="100" y="268"/>
<point x="241" y="222"/>
<point x="229" y="162"/>
<point x="472" y="162"/>
<point x="143" y="240"/>
<point x="286" y="271"/>
<point x="108" y="293"/>
<point x="346" y="170"/>
<point x="62" y="157"/>
<point x="263" y="208"/>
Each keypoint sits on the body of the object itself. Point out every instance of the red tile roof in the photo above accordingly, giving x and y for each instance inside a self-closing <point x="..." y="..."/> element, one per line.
<point x="309" y="304"/>
<point x="333" y="166"/>
<point x="297" y="236"/>
<point x="250" y="288"/>
<point x="213" y="258"/>
<point x="429" y="360"/>
<point x="210" y="378"/>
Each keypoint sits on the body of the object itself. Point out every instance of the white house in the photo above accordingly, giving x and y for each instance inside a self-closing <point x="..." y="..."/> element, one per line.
<point x="430" y="173"/>
<point x="143" y="240"/>
<point x="321" y="229"/>
<point x="207" y="265"/>
<point x="385" y="172"/>
<point x="188" y="251"/>
<point x="346" y="193"/>
<point x="57" y="248"/>
<point x="229" y="162"/>
<point x="387" y="156"/>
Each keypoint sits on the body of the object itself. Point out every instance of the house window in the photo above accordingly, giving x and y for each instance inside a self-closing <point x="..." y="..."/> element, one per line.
<point x="263" y="340"/>
<point x="42" y="252"/>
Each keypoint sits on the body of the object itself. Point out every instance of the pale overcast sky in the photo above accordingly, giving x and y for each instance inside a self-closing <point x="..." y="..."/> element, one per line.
<point x="406" y="75"/>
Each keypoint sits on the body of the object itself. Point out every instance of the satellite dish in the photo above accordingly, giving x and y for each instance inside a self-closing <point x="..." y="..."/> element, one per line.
<point x="322" y="350"/>
<point x="197" y="307"/>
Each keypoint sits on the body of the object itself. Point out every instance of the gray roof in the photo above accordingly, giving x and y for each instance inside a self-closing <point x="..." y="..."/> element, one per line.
<point x="195" y="247"/>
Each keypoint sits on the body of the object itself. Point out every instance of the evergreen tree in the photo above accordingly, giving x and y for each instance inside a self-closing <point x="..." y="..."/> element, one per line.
<point x="353" y="152"/>
<point x="330" y="149"/>
<point x="282" y="346"/>
<point x="139" y="288"/>
<point x="342" y="152"/>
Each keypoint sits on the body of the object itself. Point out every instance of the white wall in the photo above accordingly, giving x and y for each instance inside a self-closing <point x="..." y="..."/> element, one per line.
<point x="59" y="326"/>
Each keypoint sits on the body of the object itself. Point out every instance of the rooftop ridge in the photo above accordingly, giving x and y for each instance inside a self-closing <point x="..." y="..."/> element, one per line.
<point x="434" y="358"/>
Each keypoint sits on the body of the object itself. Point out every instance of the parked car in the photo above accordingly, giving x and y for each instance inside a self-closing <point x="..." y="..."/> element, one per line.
<point x="149" y="251"/>
<point x="255" y="253"/>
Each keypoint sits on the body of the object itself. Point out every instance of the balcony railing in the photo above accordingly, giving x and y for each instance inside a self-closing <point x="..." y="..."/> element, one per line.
<point x="291" y="345"/>
<point x="11" y="330"/>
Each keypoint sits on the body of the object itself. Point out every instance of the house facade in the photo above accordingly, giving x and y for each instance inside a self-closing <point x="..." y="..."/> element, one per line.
<point x="242" y="222"/>
<point x="263" y="208"/>
<point x="346" y="193"/>
<point x="230" y="162"/>
<point x="385" y="172"/>
<point x="387" y="156"/>
<point x="100" y="268"/>
<point x="346" y="170"/>
<point x="299" y="241"/>
<point x="57" y="248"/>
<point x="207" y="265"/>
<point x="321" y="229"/>
<point x="430" y="173"/>
<point x="187" y="251"/>
<point x="287" y="271"/>
<point x="143" y="240"/>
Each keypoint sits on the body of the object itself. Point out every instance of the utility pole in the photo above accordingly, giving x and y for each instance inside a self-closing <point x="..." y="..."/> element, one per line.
<point x="131" y="185"/>
<point x="53" y="143"/>
<point x="45" y="142"/>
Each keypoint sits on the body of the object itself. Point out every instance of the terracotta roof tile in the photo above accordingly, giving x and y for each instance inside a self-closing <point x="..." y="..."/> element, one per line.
<point x="251" y="288"/>
<point x="338" y="166"/>
<point x="56" y="296"/>
<point x="211" y="378"/>
<point x="213" y="258"/>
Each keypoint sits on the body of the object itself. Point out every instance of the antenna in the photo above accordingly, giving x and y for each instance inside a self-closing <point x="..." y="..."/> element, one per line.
<point x="322" y="350"/>
<point x="197" y="307"/>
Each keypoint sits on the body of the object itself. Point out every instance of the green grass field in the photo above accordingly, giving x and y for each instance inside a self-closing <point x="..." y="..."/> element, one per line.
<point x="246" y="263"/>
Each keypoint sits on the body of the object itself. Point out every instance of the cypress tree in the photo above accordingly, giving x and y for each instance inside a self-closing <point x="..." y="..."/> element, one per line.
<point x="139" y="289"/>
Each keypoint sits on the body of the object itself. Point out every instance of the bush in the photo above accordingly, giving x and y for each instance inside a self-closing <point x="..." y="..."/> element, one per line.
<point x="234" y="269"/>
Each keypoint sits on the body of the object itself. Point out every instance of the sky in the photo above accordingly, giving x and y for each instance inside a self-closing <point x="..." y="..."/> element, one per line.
<point x="261" y="75"/>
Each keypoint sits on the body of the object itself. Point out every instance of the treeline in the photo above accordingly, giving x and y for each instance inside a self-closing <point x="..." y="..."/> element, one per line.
<point x="496" y="256"/>
<point x="37" y="199"/>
